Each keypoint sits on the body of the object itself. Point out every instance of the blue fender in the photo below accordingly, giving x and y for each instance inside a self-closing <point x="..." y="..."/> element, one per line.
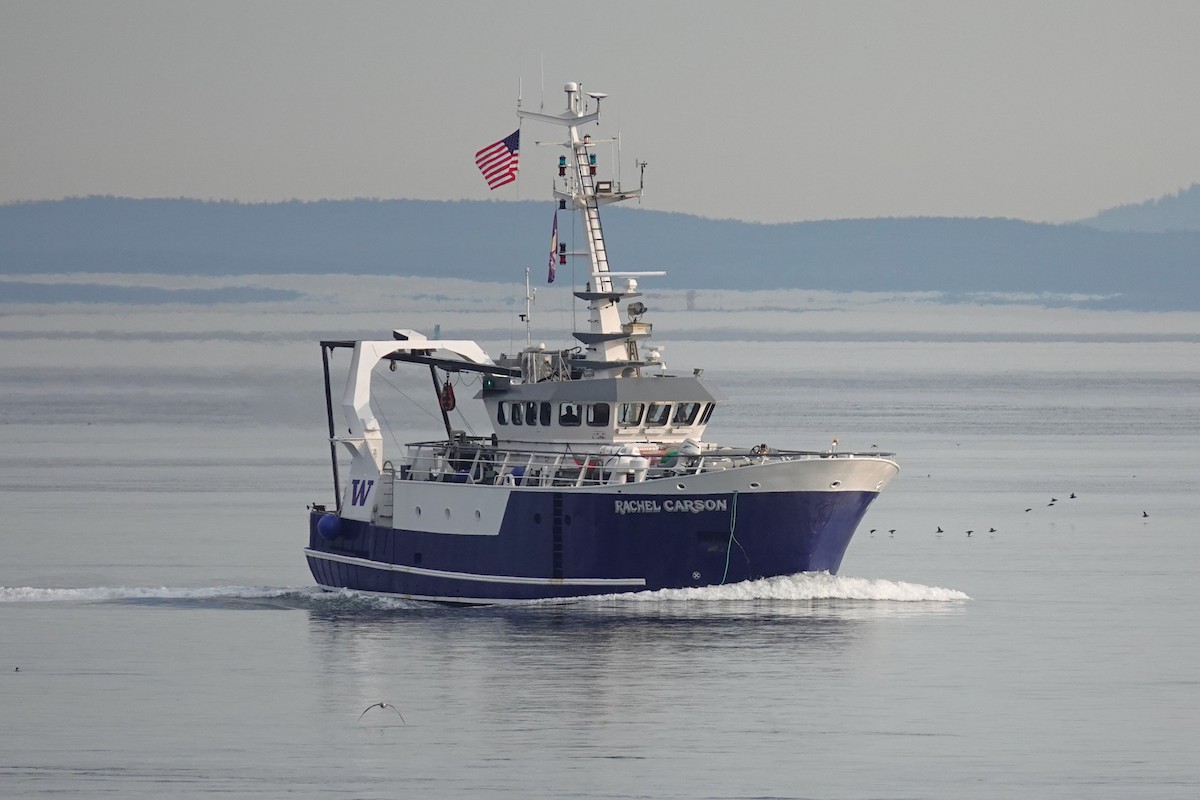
<point x="330" y="527"/>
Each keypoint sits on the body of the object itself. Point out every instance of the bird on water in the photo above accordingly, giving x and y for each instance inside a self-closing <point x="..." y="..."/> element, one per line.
<point x="383" y="705"/>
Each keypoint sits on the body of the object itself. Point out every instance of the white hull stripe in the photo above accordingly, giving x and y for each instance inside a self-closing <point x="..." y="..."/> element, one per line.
<point x="468" y="576"/>
<point x="466" y="601"/>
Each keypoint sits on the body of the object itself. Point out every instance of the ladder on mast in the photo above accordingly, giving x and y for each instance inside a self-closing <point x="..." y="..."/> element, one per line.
<point x="591" y="208"/>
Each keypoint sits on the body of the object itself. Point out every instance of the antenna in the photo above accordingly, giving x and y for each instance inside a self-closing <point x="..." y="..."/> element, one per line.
<point x="527" y="317"/>
<point x="618" y="158"/>
<point x="597" y="96"/>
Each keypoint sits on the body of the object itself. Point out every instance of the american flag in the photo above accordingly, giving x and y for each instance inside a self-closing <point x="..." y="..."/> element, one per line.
<point x="498" y="162"/>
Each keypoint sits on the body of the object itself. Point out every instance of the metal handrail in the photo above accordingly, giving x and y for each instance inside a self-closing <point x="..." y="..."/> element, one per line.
<point x="477" y="461"/>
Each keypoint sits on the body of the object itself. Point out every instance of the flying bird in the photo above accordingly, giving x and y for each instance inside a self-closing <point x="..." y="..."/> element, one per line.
<point x="383" y="705"/>
<point x="939" y="530"/>
<point x="1144" y="515"/>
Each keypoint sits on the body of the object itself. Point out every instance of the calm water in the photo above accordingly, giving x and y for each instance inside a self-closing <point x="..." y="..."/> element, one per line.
<point x="170" y="644"/>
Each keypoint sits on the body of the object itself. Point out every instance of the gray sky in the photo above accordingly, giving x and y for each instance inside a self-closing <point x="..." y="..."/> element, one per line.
<point x="762" y="111"/>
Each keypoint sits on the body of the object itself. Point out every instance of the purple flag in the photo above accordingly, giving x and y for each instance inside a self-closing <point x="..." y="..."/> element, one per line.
<point x="553" y="248"/>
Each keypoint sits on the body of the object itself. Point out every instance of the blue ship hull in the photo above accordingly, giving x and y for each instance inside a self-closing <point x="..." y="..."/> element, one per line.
<point x="571" y="544"/>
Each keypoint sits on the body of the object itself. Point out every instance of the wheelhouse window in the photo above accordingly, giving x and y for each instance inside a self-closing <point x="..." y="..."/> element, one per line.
<point x="568" y="414"/>
<point x="597" y="414"/>
<point x="516" y="413"/>
<point x="629" y="415"/>
<point x="658" y="414"/>
<point x="531" y="413"/>
<point x="685" y="413"/>
<point x="501" y="417"/>
<point x="708" y="412"/>
<point x="544" y="418"/>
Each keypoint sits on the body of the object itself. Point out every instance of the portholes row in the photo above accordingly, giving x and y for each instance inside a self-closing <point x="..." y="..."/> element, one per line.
<point x="537" y="518"/>
<point x="478" y="513"/>
<point x="753" y="485"/>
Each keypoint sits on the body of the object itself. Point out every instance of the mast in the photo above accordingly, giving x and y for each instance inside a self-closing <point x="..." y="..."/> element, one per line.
<point x="610" y="346"/>
<point x="527" y="317"/>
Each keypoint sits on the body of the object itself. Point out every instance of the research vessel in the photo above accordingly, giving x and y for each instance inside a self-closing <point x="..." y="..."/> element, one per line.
<point x="597" y="478"/>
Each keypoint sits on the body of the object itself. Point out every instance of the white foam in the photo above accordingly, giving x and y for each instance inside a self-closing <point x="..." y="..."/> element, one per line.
<point x="802" y="586"/>
<point x="807" y="586"/>
<point x="30" y="594"/>
<point x="286" y="596"/>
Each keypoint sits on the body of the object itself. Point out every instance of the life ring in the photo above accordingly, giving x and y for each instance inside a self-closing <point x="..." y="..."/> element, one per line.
<point x="446" y="397"/>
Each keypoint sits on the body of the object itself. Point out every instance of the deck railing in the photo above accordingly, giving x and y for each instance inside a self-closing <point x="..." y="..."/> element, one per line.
<point x="477" y="461"/>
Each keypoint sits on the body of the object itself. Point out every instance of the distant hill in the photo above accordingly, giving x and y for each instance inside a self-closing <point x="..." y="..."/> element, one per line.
<point x="494" y="240"/>
<point x="1172" y="212"/>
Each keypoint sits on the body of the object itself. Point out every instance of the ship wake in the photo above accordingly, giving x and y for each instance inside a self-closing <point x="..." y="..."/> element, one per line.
<point x="811" y="587"/>
<point x="805" y="586"/>
<point x="209" y="597"/>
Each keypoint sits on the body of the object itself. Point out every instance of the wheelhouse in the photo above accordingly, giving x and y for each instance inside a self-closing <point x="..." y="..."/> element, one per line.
<point x="598" y="411"/>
